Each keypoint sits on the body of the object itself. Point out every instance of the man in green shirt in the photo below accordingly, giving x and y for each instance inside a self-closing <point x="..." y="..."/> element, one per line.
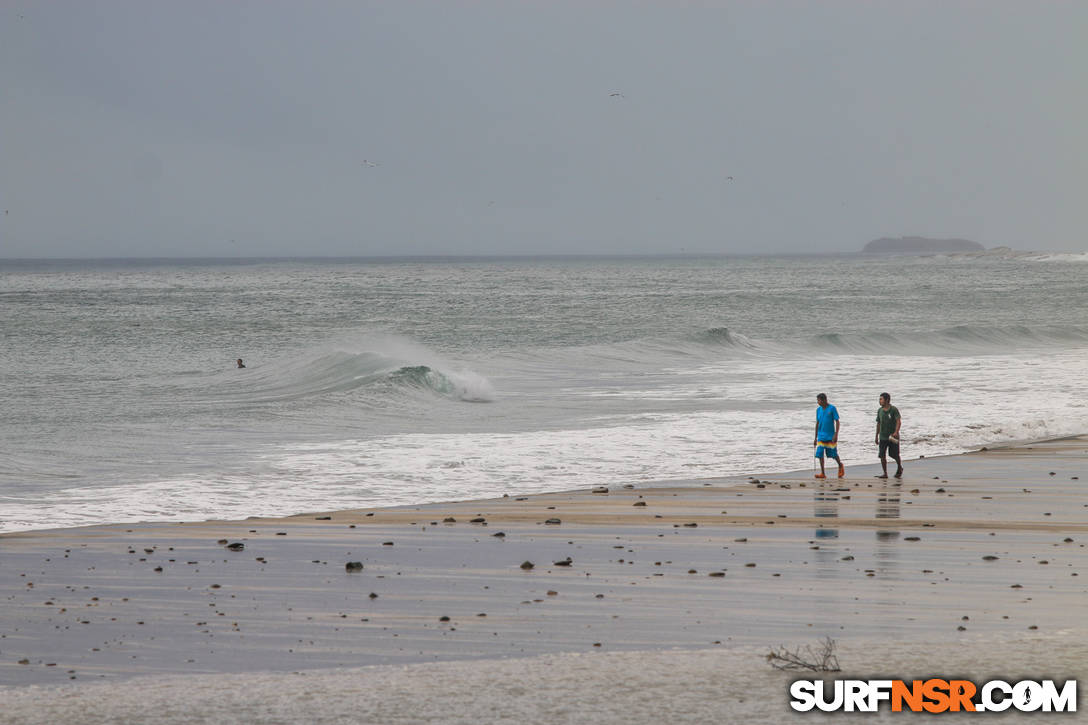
<point x="887" y="434"/>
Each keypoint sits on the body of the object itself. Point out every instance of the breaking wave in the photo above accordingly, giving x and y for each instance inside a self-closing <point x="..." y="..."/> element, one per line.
<point x="391" y="368"/>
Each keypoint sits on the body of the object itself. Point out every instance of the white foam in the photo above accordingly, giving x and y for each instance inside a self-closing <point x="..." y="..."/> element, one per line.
<point x="757" y="418"/>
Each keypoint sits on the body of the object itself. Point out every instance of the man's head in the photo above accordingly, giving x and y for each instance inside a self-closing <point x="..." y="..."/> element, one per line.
<point x="821" y="399"/>
<point x="885" y="399"/>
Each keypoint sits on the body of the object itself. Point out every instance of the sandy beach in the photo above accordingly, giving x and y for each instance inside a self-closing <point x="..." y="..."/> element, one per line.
<point x="631" y="604"/>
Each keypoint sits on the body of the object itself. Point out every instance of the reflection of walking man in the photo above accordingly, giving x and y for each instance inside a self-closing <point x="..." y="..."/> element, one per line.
<point x="888" y="422"/>
<point x="826" y="439"/>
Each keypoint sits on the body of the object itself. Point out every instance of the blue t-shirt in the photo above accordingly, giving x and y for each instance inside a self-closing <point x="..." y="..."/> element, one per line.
<point x="825" y="422"/>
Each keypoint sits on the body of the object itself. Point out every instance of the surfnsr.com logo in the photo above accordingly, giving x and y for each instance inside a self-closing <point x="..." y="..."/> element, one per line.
<point x="933" y="695"/>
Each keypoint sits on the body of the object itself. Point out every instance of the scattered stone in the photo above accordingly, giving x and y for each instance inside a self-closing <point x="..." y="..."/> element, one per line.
<point x="443" y="619"/>
<point x="499" y="535"/>
<point x="639" y="503"/>
<point x="221" y="542"/>
<point x="990" y="557"/>
<point x="692" y="525"/>
<point x="553" y="522"/>
<point x="387" y="543"/>
<point x="565" y="562"/>
<point x="323" y="518"/>
<point x="373" y="595"/>
<point x="236" y="546"/>
<point x="478" y="520"/>
<point x="449" y="520"/>
<point x="750" y="564"/>
<point x="912" y="538"/>
<point x="354" y="566"/>
<point x="716" y="573"/>
<point x="527" y="565"/>
<point x="601" y="489"/>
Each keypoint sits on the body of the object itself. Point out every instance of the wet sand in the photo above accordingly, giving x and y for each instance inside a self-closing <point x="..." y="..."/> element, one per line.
<point x="983" y="551"/>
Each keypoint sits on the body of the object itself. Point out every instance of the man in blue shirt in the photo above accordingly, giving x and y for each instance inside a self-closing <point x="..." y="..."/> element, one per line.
<point x="826" y="439"/>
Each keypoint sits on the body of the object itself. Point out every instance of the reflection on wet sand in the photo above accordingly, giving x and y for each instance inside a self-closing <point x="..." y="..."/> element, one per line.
<point x="825" y="505"/>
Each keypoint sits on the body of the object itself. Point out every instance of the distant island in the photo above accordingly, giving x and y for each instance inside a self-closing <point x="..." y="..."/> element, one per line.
<point x="920" y="245"/>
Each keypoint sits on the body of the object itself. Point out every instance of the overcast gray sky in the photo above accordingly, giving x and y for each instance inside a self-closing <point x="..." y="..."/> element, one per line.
<point x="275" y="127"/>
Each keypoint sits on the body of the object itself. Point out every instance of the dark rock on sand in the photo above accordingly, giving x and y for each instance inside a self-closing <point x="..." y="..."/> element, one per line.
<point x="354" y="566"/>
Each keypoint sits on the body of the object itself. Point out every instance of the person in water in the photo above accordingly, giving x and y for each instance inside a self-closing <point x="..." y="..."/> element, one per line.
<point x="240" y="363"/>
<point x="888" y="422"/>
<point x="826" y="440"/>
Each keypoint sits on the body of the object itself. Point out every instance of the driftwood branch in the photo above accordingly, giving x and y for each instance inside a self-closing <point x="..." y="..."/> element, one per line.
<point x="820" y="658"/>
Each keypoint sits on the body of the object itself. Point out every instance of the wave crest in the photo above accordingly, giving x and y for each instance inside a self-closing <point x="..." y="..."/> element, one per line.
<point x="464" y="385"/>
<point x="952" y="340"/>
<point x="393" y="369"/>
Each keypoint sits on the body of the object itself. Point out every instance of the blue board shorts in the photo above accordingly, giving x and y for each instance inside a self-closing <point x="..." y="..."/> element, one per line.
<point x="827" y="447"/>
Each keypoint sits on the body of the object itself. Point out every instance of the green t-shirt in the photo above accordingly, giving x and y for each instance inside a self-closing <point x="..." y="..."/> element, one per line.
<point x="886" y="420"/>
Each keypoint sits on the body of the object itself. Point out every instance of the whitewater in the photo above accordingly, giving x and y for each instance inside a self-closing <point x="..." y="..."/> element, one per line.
<point x="374" y="382"/>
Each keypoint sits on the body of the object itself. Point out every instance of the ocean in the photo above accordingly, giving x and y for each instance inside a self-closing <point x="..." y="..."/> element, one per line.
<point x="372" y="382"/>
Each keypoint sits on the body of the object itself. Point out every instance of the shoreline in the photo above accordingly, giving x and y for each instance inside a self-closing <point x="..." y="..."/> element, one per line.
<point x="981" y="547"/>
<point x="679" y="483"/>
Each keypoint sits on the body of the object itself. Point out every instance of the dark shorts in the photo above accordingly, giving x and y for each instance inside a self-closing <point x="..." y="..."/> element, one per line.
<point x="887" y="448"/>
